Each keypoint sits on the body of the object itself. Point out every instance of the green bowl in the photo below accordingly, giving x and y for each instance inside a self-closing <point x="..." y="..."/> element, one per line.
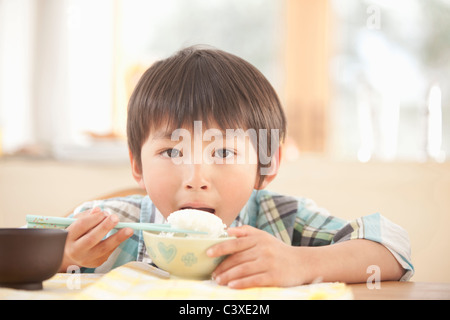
<point x="183" y="257"/>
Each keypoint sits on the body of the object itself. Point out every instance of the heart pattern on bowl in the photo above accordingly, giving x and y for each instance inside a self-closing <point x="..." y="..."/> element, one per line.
<point x="168" y="252"/>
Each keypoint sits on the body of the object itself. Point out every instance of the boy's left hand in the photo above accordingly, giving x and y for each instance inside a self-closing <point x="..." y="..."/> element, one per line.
<point x="256" y="258"/>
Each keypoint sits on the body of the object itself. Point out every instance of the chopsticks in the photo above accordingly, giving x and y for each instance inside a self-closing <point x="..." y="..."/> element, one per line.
<point x="48" y="222"/>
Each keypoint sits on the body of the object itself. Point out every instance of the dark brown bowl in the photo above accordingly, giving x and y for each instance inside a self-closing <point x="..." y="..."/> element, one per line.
<point x="30" y="256"/>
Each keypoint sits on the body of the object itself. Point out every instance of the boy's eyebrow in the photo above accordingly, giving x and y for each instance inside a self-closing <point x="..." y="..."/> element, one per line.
<point x="167" y="135"/>
<point x="162" y="135"/>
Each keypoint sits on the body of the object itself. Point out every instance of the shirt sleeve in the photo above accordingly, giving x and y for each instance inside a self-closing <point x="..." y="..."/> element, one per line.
<point x="377" y="228"/>
<point x="314" y="226"/>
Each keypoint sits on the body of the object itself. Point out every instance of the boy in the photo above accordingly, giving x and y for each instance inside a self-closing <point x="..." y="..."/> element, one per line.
<point x="204" y="131"/>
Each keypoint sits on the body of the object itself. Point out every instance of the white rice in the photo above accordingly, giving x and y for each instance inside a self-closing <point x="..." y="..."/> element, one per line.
<point x="198" y="220"/>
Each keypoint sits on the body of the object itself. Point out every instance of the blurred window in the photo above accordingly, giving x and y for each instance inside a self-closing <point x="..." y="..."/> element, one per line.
<point x="359" y="79"/>
<point x="390" y="67"/>
<point x="68" y="67"/>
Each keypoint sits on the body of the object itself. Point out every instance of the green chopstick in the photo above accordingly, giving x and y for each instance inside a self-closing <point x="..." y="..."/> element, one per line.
<point x="34" y="221"/>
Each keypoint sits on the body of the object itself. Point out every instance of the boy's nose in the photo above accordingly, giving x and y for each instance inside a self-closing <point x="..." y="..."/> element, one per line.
<point x="197" y="177"/>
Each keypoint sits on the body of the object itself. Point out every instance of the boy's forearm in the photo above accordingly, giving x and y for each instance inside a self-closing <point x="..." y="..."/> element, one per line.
<point x="349" y="261"/>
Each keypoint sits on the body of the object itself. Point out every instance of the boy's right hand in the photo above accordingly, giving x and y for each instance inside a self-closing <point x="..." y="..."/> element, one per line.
<point x="85" y="246"/>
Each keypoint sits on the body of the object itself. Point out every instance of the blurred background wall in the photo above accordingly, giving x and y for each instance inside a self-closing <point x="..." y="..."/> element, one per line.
<point x="364" y="84"/>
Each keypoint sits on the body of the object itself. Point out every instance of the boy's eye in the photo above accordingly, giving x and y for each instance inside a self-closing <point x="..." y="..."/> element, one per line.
<point x="223" y="153"/>
<point x="171" y="153"/>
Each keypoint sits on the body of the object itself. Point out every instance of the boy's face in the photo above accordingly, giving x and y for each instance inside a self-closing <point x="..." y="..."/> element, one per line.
<point x="202" y="169"/>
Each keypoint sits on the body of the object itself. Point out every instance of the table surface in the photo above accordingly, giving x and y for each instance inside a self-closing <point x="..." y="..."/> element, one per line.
<point x="394" y="290"/>
<point x="141" y="281"/>
<point x="390" y="290"/>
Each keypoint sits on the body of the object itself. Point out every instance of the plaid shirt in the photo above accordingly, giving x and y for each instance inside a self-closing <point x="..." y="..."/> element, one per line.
<point x="295" y="221"/>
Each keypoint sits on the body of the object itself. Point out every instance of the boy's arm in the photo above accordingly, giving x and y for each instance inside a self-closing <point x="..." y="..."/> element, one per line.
<point x="259" y="259"/>
<point x="300" y="222"/>
<point x="352" y="261"/>
<point x="307" y="243"/>
<point x="383" y="232"/>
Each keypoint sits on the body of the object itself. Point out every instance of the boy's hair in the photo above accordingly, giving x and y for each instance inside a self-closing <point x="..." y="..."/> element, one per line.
<point x="203" y="84"/>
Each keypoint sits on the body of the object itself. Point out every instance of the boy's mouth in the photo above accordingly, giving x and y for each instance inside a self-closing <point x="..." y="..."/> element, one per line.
<point x="210" y="210"/>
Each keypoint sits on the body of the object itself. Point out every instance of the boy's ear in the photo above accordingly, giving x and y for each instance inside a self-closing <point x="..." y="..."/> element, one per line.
<point x="136" y="171"/>
<point x="271" y="172"/>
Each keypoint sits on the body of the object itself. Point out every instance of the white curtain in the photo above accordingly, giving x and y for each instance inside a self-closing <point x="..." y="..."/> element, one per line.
<point x="17" y="24"/>
<point x="56" y="71"/>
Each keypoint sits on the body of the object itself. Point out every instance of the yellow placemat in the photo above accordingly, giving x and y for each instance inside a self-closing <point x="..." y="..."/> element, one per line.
<point x="131" y="281"/>
<point x="136" y="280"/>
